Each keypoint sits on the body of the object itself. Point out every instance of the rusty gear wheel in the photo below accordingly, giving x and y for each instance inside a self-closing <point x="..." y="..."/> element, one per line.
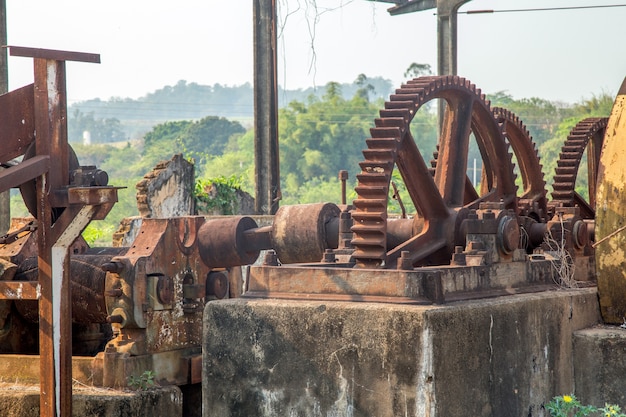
<point x="28" y="189"/>
<point x="532" y="202"/>
<point x="441" y="201"/>
<point x="587" y="135"/>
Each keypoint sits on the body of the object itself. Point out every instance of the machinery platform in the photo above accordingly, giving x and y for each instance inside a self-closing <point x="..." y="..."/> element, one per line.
<point x="490" y="357"/>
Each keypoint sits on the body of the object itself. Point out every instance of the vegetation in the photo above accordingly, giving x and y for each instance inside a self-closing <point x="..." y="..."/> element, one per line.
<point x="142" y="382"/>
<point x="319" y="133"/>
<point x="217" y="194"/>
<point x="570" y="406"/>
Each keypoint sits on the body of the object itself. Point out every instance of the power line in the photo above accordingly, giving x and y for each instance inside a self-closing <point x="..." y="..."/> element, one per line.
<point x="604" y="6"/>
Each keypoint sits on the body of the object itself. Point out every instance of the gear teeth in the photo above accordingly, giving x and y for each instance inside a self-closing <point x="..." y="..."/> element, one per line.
<point x="391" y="128"/>
<point x="518" y="138"/>
<point x="566" y="172"/>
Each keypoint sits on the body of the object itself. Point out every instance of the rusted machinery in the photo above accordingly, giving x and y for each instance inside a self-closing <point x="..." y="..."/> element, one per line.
<point x="462" y="242"/>
<point x="140" y="308"/>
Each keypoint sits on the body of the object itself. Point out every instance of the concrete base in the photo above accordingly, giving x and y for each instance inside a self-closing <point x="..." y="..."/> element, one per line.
<point x="600" y="365"/>
<point x="504" y="356"/>
<point x="23" y="401"/>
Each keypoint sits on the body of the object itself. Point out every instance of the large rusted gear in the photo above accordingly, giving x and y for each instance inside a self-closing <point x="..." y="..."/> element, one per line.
<point x="587" y="135"/>
<point x="532" y="202"/>
<point x="443" y="200"/>
<point x="29" y="190"/>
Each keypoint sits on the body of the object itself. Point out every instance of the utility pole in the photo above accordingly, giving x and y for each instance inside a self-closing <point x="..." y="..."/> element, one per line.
<point x="446" y="27"/>
<point x="266" y="167"/>
<point x="446" y="32"/>
<point x="5" y="197"/>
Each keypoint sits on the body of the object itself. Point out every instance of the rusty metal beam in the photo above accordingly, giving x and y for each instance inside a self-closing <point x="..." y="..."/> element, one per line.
<point x="412" y="6"/>
<point x="54" y="326"/>
<point x="26" y="171"/>
<point x="55" y="55"/>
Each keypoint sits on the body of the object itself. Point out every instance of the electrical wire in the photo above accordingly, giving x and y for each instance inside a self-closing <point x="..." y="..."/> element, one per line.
<point x="603" y="6"/>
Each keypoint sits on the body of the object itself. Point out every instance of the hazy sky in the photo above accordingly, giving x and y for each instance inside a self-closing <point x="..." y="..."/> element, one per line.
<point x="146" y="44"/>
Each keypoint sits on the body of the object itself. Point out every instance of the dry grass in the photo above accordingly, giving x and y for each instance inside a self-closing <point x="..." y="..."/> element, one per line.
<point x="561" y="260"/>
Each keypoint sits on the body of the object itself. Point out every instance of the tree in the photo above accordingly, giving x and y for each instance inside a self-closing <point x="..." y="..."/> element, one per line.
<point x="417" y="70"/>
<point x="168" y="131"/>
<point x="209" y="136"/>
<point x="365" y="88"/>
<point x="321" y="137"/>
<point x="198" y="140"/>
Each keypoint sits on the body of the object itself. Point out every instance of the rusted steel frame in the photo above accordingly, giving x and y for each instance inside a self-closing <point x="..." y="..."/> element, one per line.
<point x="55" y="331"/>
<point x="17" y="131"/>
<point x="50" y="121"/>
<point x="452" y="161"/>
<point x="26" y="171"/>
<point x="60" y="291"/>
<point x="52" y="54"/>
<point x="19" y="290"/>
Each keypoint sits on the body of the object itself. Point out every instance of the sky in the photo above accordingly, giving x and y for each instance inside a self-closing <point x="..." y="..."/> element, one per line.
<point x="564" y="55"/>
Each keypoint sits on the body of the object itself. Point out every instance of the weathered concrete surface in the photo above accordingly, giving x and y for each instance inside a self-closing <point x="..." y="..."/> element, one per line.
<point x="24" y="369"/>
<point x="23" y="401"/>
<point x="600" y="365"/>
<point x="497" y="357"/>
<point x="167" y="190"/>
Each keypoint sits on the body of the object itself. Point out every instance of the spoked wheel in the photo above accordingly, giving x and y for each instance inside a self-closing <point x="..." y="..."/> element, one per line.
<point x="29" y="189"/>
<point x="441" y="200"/>
<point x="587" y="135"/>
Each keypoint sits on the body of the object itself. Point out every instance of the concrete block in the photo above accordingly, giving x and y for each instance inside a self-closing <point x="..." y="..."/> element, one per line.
<point x="23" y="401"/>
<point x="504" y="356"/>
<point x="600" y="365"/>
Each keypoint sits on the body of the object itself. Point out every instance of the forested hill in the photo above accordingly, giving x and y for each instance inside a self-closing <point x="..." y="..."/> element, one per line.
<point x="192" y="101"/>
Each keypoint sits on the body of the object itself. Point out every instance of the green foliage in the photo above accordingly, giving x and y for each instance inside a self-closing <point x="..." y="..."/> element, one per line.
<point x="143" y="381"/>
<point x="549" y="125"/>
<point x="540" y="116"/>
<point x="596" y="106"/>
<point x="315" y="190"/>
<point x="217" y="195"/>
<point x="208" y="136"/>
<point x="570" y="406"/>
<point x="549" y="150"/>
<point x="321" y="137"/>
<point x="18" y="208"/>
<point x="237" y="161"/>
<point x="98" y="234"/>
<point x="197" y="140"/>
<point x="165" y="132"/>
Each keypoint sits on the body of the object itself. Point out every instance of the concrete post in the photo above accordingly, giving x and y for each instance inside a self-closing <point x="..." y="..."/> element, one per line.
<point x="267" y="172"/>
<point x="446" y="32"/>
<point x="446" y="35"/>
<point x="5" y="197"/>
<point x="446" y="42"/>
